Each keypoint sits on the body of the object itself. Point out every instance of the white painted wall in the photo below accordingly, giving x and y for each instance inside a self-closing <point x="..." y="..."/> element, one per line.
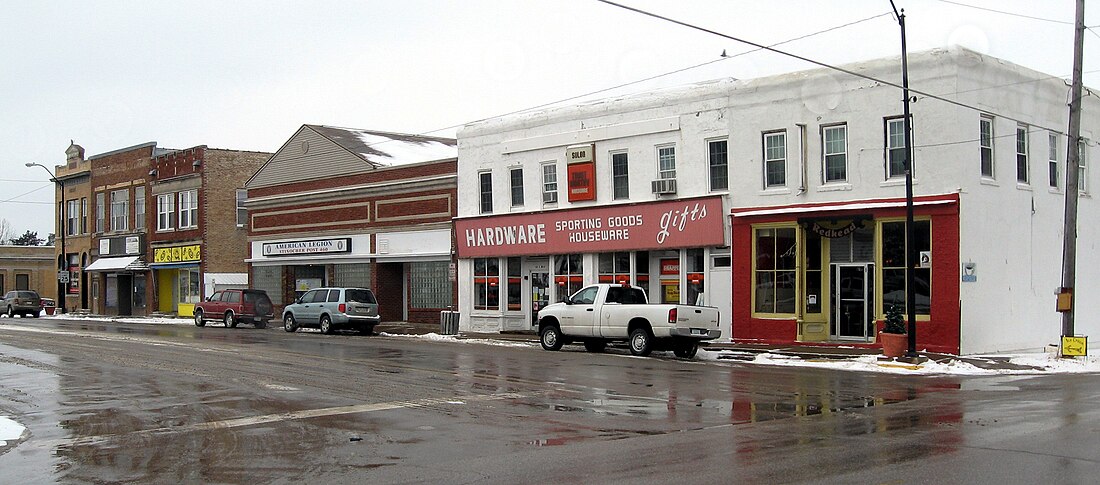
<point x="1013" y="232"/>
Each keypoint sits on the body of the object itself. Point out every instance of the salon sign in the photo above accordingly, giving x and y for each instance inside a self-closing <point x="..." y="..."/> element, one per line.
<point x="682" y="223"/>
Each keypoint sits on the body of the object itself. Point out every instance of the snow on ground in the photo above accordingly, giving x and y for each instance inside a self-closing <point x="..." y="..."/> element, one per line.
<point x="9" y="430"/>
<point x="1043" y="363"/>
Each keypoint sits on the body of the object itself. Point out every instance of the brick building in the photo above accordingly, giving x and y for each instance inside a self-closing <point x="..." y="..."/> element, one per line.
<point x="357" y="208"/>
<point x="72" y="224"/>
<point x="119" y="274"/>
<point x="28" y="268"/>
<point x="198" y="239"/>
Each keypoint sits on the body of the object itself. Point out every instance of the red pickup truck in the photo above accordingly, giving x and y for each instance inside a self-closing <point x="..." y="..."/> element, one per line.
<point x="234" y="306"/>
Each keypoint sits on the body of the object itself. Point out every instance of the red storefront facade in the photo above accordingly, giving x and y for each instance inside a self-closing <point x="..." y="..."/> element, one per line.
<point x="825" y="273"/>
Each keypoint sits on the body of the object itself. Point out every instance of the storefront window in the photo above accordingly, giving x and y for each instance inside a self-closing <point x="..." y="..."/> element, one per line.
<point x="775" y="276"/>
<point x="189" y="285"/>
<point x="430" y="285"/>
<point x="356" y="275"/>
<point x="641" y="269"/>
<point x="696" y="263"/>
<point x="568" y="274"/>
<point x="139" y="291"/>
<point x="614" y="267"/>
<point x="515" y="290"/>
<point x="486" y="284"/>
<point x="893" y="266"/>
<point x="269" y="279"/>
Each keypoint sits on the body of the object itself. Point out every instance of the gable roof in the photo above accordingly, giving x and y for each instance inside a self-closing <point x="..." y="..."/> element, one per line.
<point x="319" y="151"/>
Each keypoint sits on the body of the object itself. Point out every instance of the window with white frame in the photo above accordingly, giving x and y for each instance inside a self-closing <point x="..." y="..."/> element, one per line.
<point x="166" y="211"/>
<point x="549" y="183"/>
<point x="1021" y="155"/>
<point x="120" y="201"/>
<point x="485" y="186"/>
<point x="1052" y="160"/>
<point x="620" y="178"/>
<point x="895" y="147"/>
<point x="486" y="284"/>
<point x="515" y="176"/>
<point x="1082" y="168"/>
<point x="72" y="209"/>
<point x="100" y="212"/>
<point x="139" y="208"/>
<point x="189" y="209"/>
<point x="242" y="213"/>
<point x="985" y="142"/>
<point x="834" y="140"/>
<point x="718" y="157"/>
<point x="775" y="159"/>
<point x="666" y="162"/>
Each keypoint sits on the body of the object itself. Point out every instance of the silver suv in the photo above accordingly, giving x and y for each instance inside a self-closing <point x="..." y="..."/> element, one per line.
<point x="22" y="302"/>
<point x="333" y="308"/>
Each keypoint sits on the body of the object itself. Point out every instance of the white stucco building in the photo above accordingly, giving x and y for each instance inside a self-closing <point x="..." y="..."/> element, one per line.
<point x="806" y="171"/>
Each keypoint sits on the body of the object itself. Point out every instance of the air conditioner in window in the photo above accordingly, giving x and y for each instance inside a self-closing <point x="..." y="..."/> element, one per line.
<point x="664" y="186"/>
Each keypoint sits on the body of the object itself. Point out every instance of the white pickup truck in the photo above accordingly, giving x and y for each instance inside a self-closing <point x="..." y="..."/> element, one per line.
<point x="601" y="313"/>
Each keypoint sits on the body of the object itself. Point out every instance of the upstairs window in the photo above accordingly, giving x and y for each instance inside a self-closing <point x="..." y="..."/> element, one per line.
<point x="120" y="201"/>
<point x="775" y="159"/>
<point x="895" y="148"/>
<point x="486" y="187"/>
<point x="516" y="177"/>
<point x="549" y="183"/>
<point x="620" y="178"/>
<point x="189" y="209"/>
<point x="718" y="154"/>
<point x="666" y="162"/>
<point x="1082" y="168"/>
<point x="985" y="142"/>
<point x="1021" y="155"/>
<point x="834" y="140"/>
<point x="166" y="210"/>
<point x="100" y="212"/>
<point x="1052" y="160"/>
<point x="139" y="208"/>
<point x="72" y="212"/>
<point x="242" y="213"/>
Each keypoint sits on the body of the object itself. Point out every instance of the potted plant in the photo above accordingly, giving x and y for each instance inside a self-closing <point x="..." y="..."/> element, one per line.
<point x="893" y="338"/>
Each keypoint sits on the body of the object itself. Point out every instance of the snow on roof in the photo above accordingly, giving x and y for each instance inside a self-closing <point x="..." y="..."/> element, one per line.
<point x="381" y="148"/>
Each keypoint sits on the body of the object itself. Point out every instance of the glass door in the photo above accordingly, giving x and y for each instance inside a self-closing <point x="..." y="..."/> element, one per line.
<point x="853" y="286"/>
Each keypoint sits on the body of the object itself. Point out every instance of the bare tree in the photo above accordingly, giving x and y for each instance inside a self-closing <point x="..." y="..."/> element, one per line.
<point x="5" y="231"/>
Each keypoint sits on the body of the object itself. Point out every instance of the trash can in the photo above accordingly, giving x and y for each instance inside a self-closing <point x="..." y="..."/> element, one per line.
<point x="448" y="322"/>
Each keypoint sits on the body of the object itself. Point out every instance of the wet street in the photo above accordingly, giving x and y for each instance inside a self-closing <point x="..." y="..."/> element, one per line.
<point x="139" y="403"/>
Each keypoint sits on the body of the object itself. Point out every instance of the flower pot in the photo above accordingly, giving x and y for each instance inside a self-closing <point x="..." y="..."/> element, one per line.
<point x="893" y="344"/>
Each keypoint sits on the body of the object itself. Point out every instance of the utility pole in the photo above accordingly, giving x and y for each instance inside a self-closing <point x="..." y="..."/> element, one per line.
<point x="910" y="244"/>
<point x="61" y="223"/>
<point x="1069" y="231"/>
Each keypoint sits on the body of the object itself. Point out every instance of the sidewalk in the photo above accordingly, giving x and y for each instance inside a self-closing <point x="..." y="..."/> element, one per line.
<point x="739" y="351"/>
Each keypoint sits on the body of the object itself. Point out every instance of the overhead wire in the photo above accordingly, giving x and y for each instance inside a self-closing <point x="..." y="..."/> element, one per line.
<point x="822" y="64"/>
<point x="967" y="5"/>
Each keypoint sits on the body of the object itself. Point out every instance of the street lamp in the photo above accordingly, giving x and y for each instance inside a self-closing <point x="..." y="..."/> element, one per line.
<point x="61" y="290"/>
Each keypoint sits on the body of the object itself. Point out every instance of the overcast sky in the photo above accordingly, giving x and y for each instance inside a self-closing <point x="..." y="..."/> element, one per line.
<point x="246" y="74"/>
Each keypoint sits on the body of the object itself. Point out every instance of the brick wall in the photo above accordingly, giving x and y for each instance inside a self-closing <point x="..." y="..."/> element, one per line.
<point x="225" y="245"/>
<point x="389" y="285"/>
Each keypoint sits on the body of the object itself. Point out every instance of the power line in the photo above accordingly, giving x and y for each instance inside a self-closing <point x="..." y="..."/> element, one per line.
<point x="822" y="64"/>
<point x="26" y="193"/>
<point x="571" y="98"/>
<point x="1002" y="12"/>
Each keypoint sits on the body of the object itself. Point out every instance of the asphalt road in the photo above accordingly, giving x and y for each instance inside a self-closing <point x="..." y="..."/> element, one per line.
<point x="140" y="403"/>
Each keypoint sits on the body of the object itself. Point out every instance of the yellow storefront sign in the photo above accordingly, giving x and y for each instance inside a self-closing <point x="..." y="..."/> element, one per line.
<point x="178" y="254"/>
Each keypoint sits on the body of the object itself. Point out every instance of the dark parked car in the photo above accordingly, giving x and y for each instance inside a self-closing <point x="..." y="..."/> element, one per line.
<point x="22" y="302"/>
<point x="234" y="306"/>
<point x="333" y="308"/>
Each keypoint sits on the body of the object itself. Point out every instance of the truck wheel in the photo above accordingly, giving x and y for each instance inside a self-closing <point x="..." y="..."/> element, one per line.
<point x="289" y="324"/>
<point x="551" y="338"/>
<point x="326" y="325"/>
<point x="199" y="322"/>
<point x="230" y="322"/>
<point x="595" y="346"/>
<point x="686" y="350"/>
<point x="641" y="342"/>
